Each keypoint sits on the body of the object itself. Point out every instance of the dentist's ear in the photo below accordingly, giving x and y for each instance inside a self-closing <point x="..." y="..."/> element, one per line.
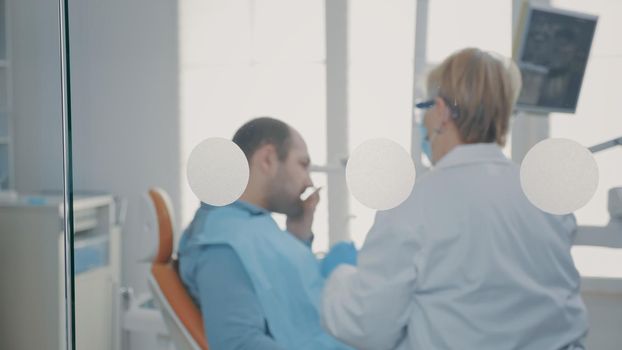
<point x="443" y="116"/>
<point x="444" y="110"/>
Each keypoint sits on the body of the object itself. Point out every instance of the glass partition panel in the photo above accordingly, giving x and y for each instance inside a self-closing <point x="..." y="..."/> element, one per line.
<point x="152" y="79"/>
<point x="33" y="294"/>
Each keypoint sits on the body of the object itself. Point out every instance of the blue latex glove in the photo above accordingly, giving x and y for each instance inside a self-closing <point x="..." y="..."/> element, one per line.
<point x="340" y="253"/>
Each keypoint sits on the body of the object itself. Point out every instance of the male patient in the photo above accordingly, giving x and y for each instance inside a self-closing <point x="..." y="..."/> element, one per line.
<point x="258" y="286"/>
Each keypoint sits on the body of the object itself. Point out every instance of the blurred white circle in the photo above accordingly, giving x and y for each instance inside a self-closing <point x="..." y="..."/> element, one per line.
<point x="559" y="176"/>
<point x="380" y="174"/>
<point x="217" y="171"/>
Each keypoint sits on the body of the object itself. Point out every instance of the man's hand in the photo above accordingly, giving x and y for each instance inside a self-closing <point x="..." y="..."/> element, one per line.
<point x="300" y="226"/>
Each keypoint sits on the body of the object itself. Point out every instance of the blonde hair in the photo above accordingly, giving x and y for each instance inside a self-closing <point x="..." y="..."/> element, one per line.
<point x="481" y="89"/>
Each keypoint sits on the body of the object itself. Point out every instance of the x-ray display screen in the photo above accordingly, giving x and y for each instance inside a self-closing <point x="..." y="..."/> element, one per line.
<point x="553" y="51"/>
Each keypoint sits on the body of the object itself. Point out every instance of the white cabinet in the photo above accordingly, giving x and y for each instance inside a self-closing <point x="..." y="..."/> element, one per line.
<point x="6" y="151"/>
<point x="32" y="271"/>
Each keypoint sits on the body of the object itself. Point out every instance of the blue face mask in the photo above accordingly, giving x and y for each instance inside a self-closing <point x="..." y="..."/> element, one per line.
<point x="425" y="143"/>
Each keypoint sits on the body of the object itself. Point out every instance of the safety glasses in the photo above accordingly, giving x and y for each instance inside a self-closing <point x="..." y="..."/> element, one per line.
<point x="425" y="104"/>
<point x="421" y="108"/>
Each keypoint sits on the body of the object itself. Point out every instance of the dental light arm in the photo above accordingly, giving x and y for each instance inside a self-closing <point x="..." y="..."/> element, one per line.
<point x="606" y="145"/>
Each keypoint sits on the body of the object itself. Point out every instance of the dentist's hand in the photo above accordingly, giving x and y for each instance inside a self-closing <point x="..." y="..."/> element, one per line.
<point x="300" y="226"/>
<point x="340" y="253"/>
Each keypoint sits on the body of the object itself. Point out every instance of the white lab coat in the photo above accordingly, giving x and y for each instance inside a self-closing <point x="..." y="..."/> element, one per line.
<point x="467" y="262"/>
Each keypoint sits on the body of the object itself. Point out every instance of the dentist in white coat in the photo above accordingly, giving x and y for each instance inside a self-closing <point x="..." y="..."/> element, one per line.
<point x="466" y="262"/>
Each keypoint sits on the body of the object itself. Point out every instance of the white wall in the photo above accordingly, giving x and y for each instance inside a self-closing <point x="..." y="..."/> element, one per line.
<point x="124" y="67"/>
<point x="125" y="108"/>
<point x="36" y="95"/>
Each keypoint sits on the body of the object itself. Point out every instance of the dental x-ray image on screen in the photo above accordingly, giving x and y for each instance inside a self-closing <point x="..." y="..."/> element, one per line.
<point x="553" y="50"/>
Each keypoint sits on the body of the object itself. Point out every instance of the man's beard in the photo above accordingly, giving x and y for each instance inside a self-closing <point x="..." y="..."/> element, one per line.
<point x="280" y="203"/>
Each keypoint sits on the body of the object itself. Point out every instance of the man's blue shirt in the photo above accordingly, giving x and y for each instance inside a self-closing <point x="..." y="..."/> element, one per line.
<point x="217" y="279"/>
